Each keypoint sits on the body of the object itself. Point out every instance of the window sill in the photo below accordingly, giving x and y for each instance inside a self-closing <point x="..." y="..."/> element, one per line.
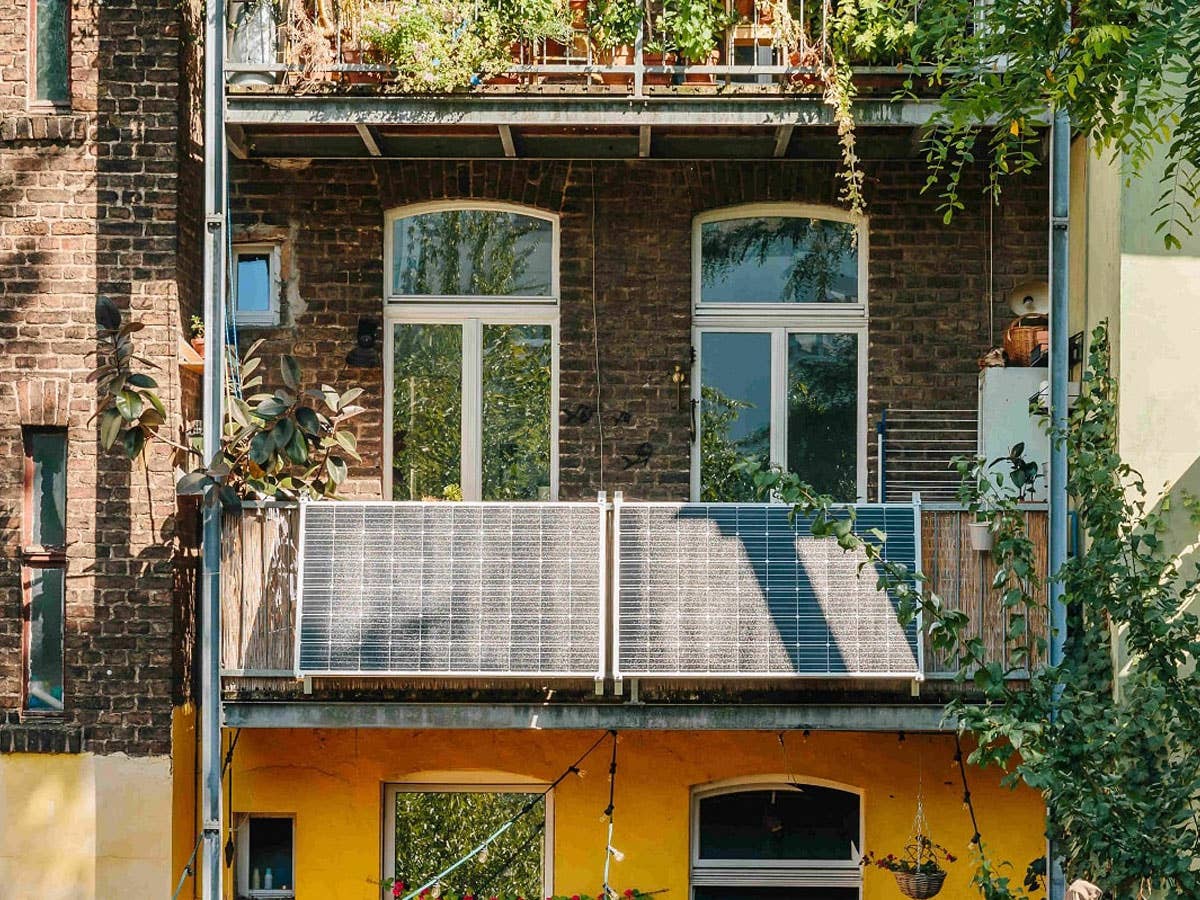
<point x="41" y="733"/>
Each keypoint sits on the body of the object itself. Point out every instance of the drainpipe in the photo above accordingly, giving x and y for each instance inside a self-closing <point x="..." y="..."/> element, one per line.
<point x="1060" y="197"/>
<point x="214" y="372"/>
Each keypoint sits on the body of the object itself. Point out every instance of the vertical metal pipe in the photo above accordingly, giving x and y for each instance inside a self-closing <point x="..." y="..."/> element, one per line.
<point x="214" y="373"/>
<point x="1060" y="209"/>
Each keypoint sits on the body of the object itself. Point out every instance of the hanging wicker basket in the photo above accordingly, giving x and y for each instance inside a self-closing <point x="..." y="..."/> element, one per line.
<point x="920" y="885"/>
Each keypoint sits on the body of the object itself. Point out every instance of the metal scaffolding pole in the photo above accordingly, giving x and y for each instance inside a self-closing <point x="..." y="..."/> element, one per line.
<point x="214" y="372"/>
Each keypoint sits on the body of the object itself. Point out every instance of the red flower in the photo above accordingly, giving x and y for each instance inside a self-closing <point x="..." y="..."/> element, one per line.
<point x="628" y="892"/>
<point x="398" y="889"/>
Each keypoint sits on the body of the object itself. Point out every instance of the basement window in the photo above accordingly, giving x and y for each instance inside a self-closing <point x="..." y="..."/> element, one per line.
<point x="44" y="567"/>
<point x="429" y="827"/>
<point x="49" y="54"/>
<point x="256" y="285"/>
<point x="266" y="857"/>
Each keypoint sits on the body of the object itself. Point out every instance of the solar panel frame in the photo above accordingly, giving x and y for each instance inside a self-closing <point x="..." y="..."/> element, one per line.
<point x="446" y="566"/>
<point x="751" y="633"/>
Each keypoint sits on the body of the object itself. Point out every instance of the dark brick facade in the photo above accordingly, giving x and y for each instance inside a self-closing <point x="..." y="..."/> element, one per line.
<point x="87" y="207"/>
<point x="628" y="226"/>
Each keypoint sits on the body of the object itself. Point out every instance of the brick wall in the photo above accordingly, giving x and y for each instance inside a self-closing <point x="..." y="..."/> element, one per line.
<point x="627" y="225"/>
<point x="87" y="208"/>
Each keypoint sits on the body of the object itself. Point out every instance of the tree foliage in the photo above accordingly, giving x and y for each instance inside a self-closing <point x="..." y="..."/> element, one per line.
<point x="1112" y="751"/>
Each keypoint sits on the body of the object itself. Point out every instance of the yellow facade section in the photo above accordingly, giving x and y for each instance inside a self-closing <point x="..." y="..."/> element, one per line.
<point x="333" y="782"/>
<point x="84" y="827"/>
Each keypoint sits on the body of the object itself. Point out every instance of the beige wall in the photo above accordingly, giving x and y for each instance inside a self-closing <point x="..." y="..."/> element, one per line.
<point x="85" y="827"/>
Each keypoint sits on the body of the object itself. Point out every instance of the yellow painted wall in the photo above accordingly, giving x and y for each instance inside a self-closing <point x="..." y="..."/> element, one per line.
<point x="84" y="827"/>
<point x="333" y="781"/>
<point x="185" y="811"/>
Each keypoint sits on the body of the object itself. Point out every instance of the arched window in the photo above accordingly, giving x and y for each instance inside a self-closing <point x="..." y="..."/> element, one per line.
<point x="471" y="356"/>
<point x="776" y="841"/>
<point x="780" y="319"/>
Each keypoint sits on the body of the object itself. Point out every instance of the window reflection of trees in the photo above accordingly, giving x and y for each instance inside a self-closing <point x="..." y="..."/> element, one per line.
<point x="435" y="829"/>
<point x="721" y="480"/>
<point x="516" y="412"/>
<point x="820" y="251"/>
<point x="427" y="412"/>
<point x="823" y="412"/>
<point x="471" y="252"/>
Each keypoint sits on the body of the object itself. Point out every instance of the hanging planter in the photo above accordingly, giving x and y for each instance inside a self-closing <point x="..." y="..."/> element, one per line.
<point x="981" y="535"/>
<point x="918" y="870"/>
<point x="920" y="885"/>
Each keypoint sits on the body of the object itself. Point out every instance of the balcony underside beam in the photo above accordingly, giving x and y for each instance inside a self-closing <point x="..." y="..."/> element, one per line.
<point x="628" y="716"/>
<point x="733" y="111"/>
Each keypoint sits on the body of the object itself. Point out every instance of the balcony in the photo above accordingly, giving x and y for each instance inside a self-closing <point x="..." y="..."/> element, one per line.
<point x="582" y="591"/>
<point x="329" y="85"/>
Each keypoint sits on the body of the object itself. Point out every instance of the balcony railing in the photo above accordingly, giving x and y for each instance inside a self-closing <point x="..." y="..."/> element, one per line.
<point x="296" y="48"/>
<point x="584" y="591"/>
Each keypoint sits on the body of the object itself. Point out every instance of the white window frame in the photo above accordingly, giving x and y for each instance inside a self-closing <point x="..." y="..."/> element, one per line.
<point x="269" y="317"/>
<point x="508" y="787"/>
<point x="243" y="857"/>
<point x="780" y="320"/>
<point x="471" y="313"/>
<point x="763" y="872"/>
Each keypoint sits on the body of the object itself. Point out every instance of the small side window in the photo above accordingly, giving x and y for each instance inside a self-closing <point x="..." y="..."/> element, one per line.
<point x="44" y="567"/>
<point x="256" y="284"/>
<point x="266" y="857"/>
<point x="49" y="53"/>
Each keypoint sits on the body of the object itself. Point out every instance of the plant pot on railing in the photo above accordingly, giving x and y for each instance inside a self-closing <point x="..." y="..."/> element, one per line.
<point x="714" y="58"/>
<point x="621" y="55"/>
<point x="254" y="40"/>
<point x="657" y="59"/>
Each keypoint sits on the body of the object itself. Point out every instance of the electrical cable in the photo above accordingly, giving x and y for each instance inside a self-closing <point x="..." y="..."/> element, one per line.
<point x="609" y="852"/>
<point x="976" y="838"/>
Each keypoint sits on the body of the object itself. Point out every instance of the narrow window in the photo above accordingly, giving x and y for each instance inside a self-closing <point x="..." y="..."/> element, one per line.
<point x="256" y="284"/>
<point x="473" y="317"/>
<point x="429" y="828"/>
<point x="49" y="53"/>
<point x="44" y="566"/>
<point x="776" y="842"/>
<point x="780" y="333"/>
<point x="266" y="857"/>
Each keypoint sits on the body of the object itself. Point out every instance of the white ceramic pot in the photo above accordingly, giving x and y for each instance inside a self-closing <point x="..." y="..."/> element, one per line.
<point x="981" y="536"/>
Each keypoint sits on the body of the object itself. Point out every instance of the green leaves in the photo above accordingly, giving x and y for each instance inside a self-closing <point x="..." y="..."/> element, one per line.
<point x="128" y="407"/>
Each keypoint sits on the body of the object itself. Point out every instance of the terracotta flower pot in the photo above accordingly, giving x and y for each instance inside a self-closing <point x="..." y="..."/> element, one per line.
<point x="920" y="886"/>
<point x="353" y="56"/>
<point x="658" y="59"/>
<point x="621" y="55"/>
<point x="198" y="345"/>
<point x="701" y="78"/>
<point x="514" y="52"/>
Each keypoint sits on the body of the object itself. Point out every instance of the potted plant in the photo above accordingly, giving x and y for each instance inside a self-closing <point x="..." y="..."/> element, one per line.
<point x="974" y="492"/>
<point x="918" y="872"/>
<point x="696" y="29"/>
<point x="615" y="26"/>
<point x="196" y="338"/>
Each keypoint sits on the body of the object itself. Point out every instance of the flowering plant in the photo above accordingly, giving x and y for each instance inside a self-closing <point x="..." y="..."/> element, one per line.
<point x="921" y="857"/>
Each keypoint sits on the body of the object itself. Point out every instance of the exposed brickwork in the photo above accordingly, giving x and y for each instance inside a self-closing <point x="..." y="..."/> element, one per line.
<point x="87" y="208"/>
<point x="627" y="225"/>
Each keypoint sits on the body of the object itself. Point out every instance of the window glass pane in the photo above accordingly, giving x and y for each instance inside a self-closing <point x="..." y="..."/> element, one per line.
<point x="776" y="893"/>
<point x="253" y="282"/>
<point x="472" y="253"/>
<point x="735" y="411"/>
<point x="45" y="690"/>
<point x="270" y="861"/>
<point x="822" y="435"/>
<point x="427" y="412"/>
<point x="777" y="259"/>
<point x="812" y="822"/>
<point x="516" y="412"/>
<point x="48" y="452"/>
<point x="51" y="83"/>
<point x="436" y="829"/>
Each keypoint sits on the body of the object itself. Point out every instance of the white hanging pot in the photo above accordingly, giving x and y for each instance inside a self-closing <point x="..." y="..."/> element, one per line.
<point x="982" y="538"/>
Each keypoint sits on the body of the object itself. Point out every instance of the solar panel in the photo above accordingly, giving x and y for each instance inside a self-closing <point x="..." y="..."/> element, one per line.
<point x="465" y="589"/>
<point x="730" y="589"/>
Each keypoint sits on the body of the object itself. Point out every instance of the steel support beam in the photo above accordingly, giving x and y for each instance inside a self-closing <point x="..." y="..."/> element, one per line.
<point x="644" y="135"/>
<point x="783" y="137"/>
<point x="507" y="141"/>
<point x="215" y="162"/>
<point x="370" y="139"/>
<point x="585" y="716"/>
<point x="538" y="111"/>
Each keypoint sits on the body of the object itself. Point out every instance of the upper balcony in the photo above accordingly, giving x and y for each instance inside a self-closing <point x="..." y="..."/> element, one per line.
<point x="632" y="78"/>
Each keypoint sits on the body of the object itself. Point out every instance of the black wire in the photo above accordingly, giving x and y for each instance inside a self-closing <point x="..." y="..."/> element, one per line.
<point x="612" y="777"/>
<point x="976" y="838"/>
